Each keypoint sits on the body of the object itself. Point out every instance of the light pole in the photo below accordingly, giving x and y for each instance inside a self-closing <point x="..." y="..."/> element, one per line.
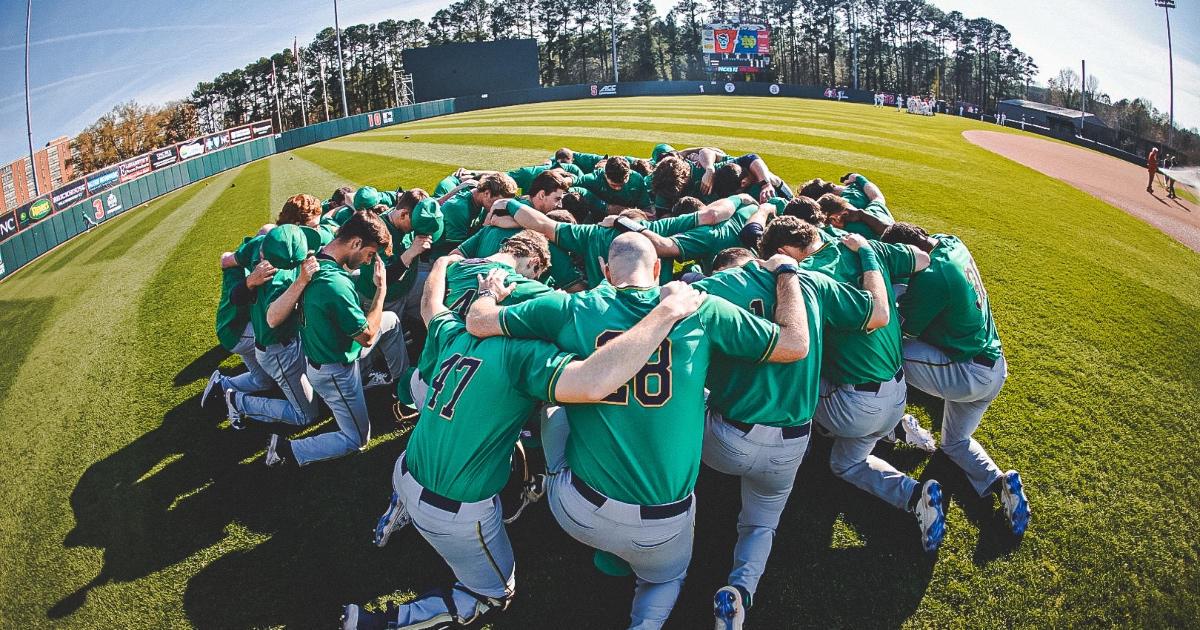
<point x="1167" y="5"/>
<point x="854" y="39"/>
<point x="612" y="5"/>
<point x="341" y="64"/>
<point x="28" y="115"/>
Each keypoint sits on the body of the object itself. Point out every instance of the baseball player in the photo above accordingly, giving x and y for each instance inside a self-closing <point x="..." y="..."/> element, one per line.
<point x="869" y="222"/>
<point x="545" y="196"/>
<point x="749" y="174"/>
<point x="703" y="243"/>
<point x="463" y="213"/>
<point x="286" y="265"/>
<point x="235" y="332"/>
<point x="621" y="474"/>
<point x="855" y="188"/>
<point x="952" y="351"/>
<point x="676" y="177"/>
<point x="457" y="459"/>
<point x="759" y="413"/>
<point x="523" y="257"/>
<point x="862" y="392"/>
<point x="337" y="333"/>
<point x="616" y="184"/>
<point x="592" y="241"/>
<point x="525" y="175"/>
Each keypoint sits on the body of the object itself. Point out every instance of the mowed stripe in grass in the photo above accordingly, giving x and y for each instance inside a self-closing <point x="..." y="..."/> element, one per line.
<point x="1094" y="308"/>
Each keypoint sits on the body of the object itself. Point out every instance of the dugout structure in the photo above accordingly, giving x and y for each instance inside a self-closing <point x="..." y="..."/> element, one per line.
<point x="474" y="69"/>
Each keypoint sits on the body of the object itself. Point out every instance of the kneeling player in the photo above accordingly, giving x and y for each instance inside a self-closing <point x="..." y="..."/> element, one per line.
<point x="480" y="396"/>
<point x="953" y="352"/>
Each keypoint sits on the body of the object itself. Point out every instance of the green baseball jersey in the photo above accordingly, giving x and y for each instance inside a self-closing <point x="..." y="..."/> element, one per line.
<point x="462" y="286"/>
<point x="877" y="210"/>
<point x="330" y="315"/>
<point x="586" y="162"/>
<point x="247" y="254"/>
<point x="561" y="275"/>
<point x="479" y="399"/>
<point x="855" y="193"/>
<point x="632" y="195"/>
<point x="852" y="357"/>
<point x="365" y="282"/>
<point x="264" y="297"/>
<point x="446" y="185"/>
<point x="779" y="394"/>
<point x="946" y="305"/>
<point x="642" y="443"/>
<point x="342" y="215"/>
<point x="524" y="176"/>
<point x="462" y="216"/>
<point x="692" y="189"/>
<point x="231" y="318"/>
<point x="705" y="242"/>
<point x="592" y="242"/>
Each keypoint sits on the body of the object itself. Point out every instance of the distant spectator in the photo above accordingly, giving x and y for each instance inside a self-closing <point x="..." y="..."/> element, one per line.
<point x="1152" y="168"/>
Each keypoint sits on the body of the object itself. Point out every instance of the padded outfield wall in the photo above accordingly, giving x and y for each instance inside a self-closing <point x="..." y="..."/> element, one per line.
<point x="19" y="248"/>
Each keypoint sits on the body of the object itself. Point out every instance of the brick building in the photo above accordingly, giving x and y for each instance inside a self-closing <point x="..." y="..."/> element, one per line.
<point x="53" y="165"/>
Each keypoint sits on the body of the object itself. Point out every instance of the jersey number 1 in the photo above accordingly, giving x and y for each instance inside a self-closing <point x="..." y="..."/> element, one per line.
<point x="456" y="363"/>
<point x="660" y="370"/>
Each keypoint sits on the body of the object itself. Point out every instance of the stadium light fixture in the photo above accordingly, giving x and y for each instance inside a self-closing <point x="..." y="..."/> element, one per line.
<point x="341" y="65"/>
<point x="28" y="113"/>
<point x="1167" y="5"/>
<point x="612" y="7"/>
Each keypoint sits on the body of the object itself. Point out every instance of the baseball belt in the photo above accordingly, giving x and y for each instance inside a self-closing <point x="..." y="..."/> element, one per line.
<point x="874" y="387"/>
<point x="789" y="433"/>
<point x="649" y="512"/>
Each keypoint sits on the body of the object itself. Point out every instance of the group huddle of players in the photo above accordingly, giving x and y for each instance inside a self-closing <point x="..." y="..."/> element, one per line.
<point x="640" y="316"/>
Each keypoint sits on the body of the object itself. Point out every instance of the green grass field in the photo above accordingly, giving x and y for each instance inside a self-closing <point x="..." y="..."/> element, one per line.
<point x="122" y="505"/>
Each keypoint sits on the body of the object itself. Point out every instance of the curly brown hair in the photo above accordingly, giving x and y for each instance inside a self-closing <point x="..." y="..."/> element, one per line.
<point x="528" y="244"/>
<point x="787" y="231"/>
<point x="366" y="225"/>
<point x="814" y="188"/>
<point x="499" y="184"/>
<point x="671" y="176"/>
<point x="806" y="210"/>
<point x="299" y="210"/>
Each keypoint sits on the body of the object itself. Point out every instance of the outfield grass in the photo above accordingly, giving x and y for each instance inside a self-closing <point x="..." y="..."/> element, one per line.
<point x="122" y="505"/>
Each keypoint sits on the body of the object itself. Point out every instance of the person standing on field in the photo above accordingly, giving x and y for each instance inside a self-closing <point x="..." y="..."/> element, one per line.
<point x="1152" y="168"/>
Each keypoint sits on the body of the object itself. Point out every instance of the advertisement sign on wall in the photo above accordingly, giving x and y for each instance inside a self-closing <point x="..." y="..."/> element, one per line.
<point x="262" y="129"/>
<point x="134" y="168"/>
<point x="241" y="134"/>
<point x="103" y="180"/>
<point x="163" y="157"/>
<point x="191" y="148"/>
<point x="216" y="141"/>
<point x="73" y="192"/>
<point x="8" y="225"/>
<point x="34" y="211"/>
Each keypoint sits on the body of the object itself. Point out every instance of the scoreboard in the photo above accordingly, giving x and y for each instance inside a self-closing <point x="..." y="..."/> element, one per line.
<point x="736" y="46"/>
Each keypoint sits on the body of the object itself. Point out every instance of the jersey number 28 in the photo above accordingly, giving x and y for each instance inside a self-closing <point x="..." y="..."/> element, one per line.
<point x="652" y="384"/>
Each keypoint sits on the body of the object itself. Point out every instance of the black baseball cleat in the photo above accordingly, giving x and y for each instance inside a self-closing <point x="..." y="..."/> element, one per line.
<point x="355" y="617"/>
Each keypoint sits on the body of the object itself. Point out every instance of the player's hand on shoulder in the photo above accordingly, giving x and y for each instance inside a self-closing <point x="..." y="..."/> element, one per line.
<point x="261" y="275"/>
<point x="774" y="262"/>
<point x="493" y="284"/>
<point x="228" y="260"/>
<point x="766" y="193"/>
<point x="308" y="268"/>
<point x="680" y="299"/>
<point x="854" y="241"/>
<point x="849" y="178"/>
<point x="608" y="221"/>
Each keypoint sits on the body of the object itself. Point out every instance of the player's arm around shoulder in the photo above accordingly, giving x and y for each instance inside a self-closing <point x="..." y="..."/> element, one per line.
<point x="619" y="360"/>
<point x="791" y="312"/>
<point x="539" y="318"/>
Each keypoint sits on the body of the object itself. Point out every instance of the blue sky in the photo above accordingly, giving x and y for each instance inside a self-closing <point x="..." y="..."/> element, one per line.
<point x="87" y="56"/>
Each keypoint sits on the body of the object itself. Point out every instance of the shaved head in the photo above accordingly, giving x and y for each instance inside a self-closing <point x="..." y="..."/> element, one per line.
<point x="628" y="255"/>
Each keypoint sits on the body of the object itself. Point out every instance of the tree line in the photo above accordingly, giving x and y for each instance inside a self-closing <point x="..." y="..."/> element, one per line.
<point x="901" y="46"/>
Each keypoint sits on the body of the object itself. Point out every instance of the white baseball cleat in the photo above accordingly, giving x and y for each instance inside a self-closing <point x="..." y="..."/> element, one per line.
<point x="931" y="516"/>
<point x="728" y="609"/>
<point x="273" y="458"/>
<point x="916" y="435"/>
<point x="213" y="381"/>
<point x="377" y="378"/>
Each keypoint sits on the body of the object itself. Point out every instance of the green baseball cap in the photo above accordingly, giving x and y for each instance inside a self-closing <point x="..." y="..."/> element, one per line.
<point x="287" y="246"/>
<point x="366" y="198"/>
<point x="427" y="218"/>
<point x="659" y="151"/>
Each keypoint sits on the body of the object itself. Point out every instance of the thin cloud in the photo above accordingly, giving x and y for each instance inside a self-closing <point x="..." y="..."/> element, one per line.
<point x="72" y="79"/>
<point x="118" y="31"/>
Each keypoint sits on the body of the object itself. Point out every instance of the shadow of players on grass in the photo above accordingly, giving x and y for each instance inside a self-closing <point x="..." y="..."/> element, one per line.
<point x="263" y="546"/>
<point x="202" y="366"/>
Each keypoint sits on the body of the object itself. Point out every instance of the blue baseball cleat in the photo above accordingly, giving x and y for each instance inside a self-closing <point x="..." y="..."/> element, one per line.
<point x="394" y="519"/>
<point x="931" y="516"/>
<point x="1016" y="504"/>
<point x="728" y="609"/>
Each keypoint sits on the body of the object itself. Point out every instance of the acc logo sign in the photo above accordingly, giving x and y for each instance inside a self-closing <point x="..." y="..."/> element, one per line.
<point x="729" y="87"/>
<point x="608" y="90"/>
<point x="722" y="41"/>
